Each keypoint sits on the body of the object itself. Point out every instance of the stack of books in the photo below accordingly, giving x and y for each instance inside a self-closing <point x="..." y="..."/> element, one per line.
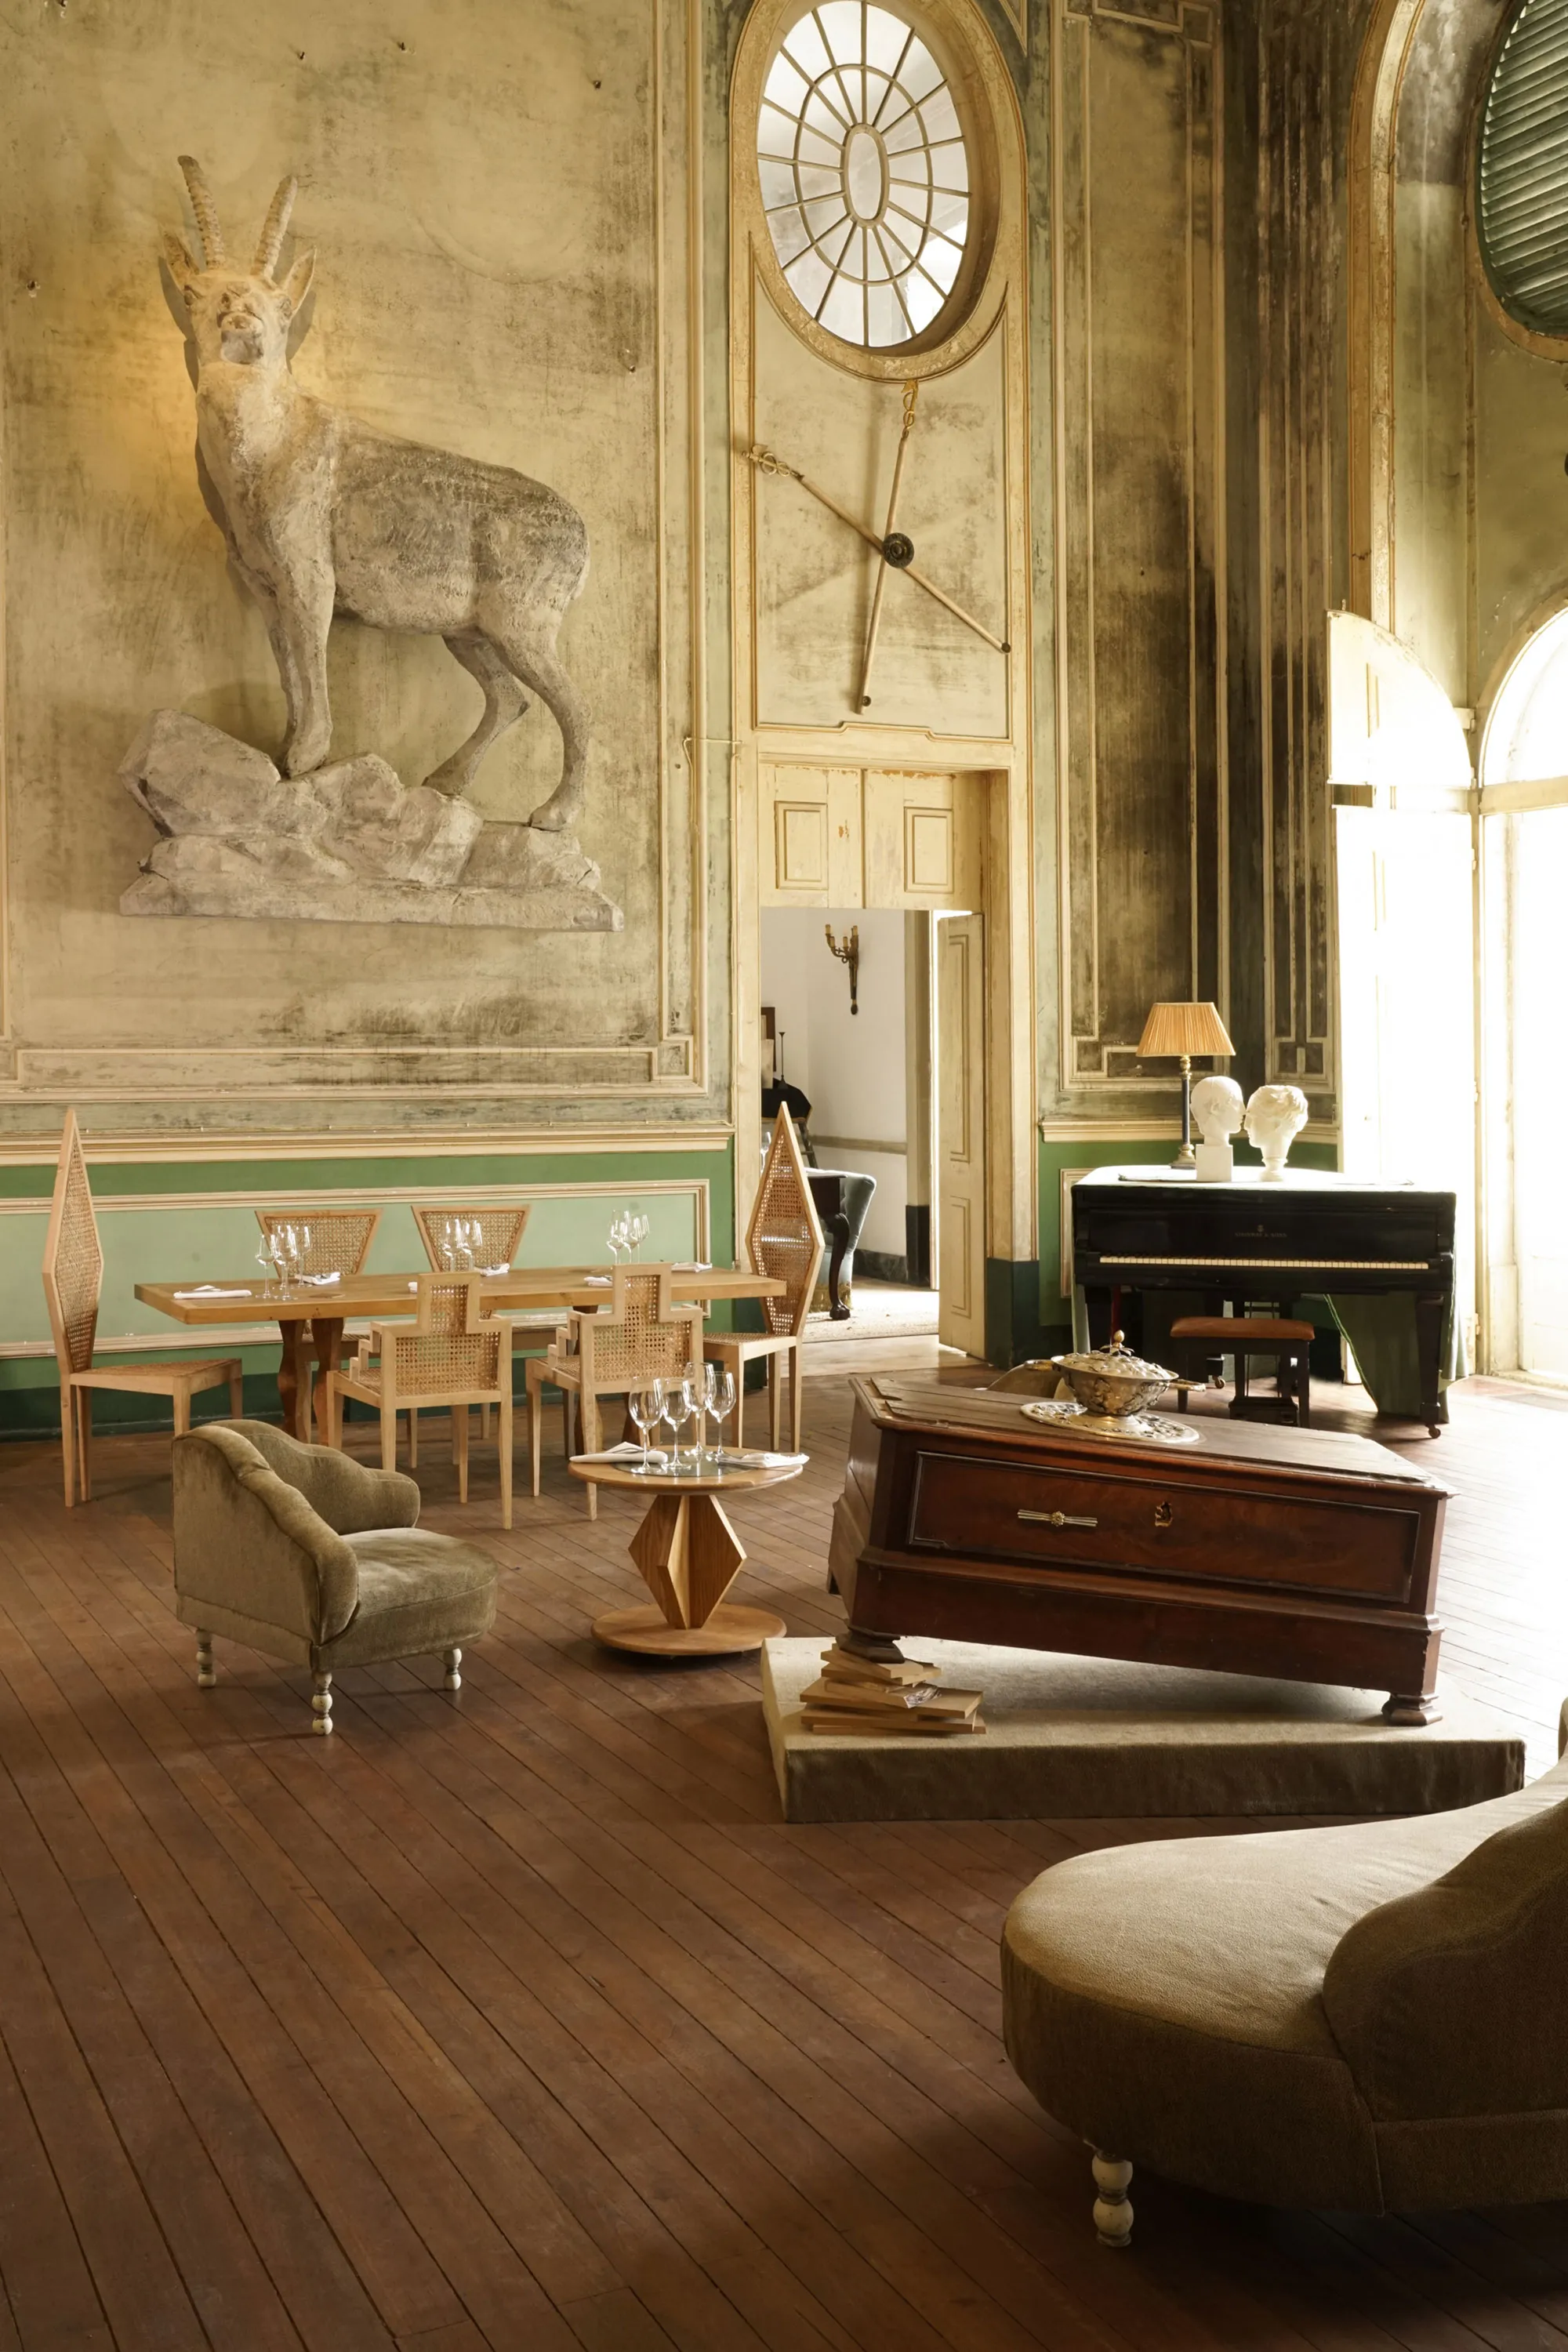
<point x="900" y="1701"/>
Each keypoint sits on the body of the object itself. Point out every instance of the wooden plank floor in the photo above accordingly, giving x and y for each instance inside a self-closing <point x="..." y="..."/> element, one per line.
<point x="518" y="2019"/>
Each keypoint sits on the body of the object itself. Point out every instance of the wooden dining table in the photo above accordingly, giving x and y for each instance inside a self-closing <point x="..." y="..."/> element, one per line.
<point x="310" y="1321"/>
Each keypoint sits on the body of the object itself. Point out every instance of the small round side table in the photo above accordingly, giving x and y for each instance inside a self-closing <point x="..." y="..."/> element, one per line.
<point x="688" y="1555"/>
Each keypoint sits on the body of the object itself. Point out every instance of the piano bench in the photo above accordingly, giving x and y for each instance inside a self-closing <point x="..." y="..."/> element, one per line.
<point x="1241" y="1336"/>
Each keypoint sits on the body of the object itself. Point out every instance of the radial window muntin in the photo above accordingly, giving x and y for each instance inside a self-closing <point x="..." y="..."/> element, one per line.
<point x="1521" y="170"/>
<point x="864" y="174"/>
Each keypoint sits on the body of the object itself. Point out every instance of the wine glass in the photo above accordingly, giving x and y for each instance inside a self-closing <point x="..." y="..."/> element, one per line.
<point x="279" y="1250"/>
<point x="467" y="1236"/>
<point x="617" y="1239"/>
<point x="679" y="1404"/>
<point x="264" y="1260"/>
<point x="639" y="1234"/>
<point x="647" y="1409"/>
<point x="446" y="1245"/>
<point x="720" y="1402"/>
<point x="302" y="1246"/>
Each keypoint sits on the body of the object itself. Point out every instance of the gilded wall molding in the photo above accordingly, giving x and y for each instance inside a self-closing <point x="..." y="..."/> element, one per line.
<point x="1142" y="846"/>
<point x="301" y="1085"/>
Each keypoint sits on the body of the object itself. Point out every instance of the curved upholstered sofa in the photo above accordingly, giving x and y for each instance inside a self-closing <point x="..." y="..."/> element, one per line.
<point x="307" y="1555"/>
<point x="1372" y="2017"/>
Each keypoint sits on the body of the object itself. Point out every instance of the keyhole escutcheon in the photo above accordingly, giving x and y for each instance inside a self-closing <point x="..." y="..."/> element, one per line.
<point x="1164" y="1514"/>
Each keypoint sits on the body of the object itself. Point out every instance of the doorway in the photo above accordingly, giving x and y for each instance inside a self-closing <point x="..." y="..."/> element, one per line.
<point x="894" y="861"/>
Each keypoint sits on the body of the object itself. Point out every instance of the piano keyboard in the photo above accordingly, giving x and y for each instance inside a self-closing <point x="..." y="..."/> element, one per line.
<point x="1287" y="1264"/>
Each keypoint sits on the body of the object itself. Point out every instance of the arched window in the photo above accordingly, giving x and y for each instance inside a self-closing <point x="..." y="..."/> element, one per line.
<point x="864" y="174"/>
<point x="1522" y="196"/>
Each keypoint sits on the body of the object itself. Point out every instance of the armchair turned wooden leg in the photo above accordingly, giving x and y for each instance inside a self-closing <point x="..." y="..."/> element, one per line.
<point x="207" y="1674"/>
<point x="322" y="1702"/>
<point x="1112" y="2206"/>
<point x="451" y="1661"/>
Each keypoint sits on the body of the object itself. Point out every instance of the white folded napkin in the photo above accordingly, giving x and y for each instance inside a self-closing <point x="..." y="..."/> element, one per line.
<point x="694" y="1266"/>
<point x="321" y="1281"/>
<point x="598" y="1282"/>
<point x="211" y="1290"/>
<point x="504" y="1267"/>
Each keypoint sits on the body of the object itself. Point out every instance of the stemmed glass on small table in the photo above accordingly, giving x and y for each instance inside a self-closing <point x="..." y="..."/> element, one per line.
<point x="647" y="1407"/>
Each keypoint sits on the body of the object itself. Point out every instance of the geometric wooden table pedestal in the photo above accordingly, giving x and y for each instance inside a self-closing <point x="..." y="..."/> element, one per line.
<point x="688" y="1555"/>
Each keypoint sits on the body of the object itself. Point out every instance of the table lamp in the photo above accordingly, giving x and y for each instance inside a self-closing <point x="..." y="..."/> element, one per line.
<point x="1177" y="1031"/>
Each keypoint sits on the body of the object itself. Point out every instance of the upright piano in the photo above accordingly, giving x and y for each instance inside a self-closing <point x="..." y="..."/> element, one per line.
<point x="1248" y="1243"/>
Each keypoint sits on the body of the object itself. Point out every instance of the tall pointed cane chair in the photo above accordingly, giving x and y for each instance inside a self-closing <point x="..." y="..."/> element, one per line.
<point x="340" y="1243"/>
<point x="783" y="1241"/>
<point x="73" y="1279"/>
<point x="453" y="1355"/>
<point x="640" y="1336"/>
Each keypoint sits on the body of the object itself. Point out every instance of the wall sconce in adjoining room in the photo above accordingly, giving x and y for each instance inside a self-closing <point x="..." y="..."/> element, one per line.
<point x="848" y="953"/>
<point x="1177" y="1031"/>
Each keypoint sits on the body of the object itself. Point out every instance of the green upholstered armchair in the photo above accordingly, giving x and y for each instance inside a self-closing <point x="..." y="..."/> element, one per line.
<point x="308" y="1556"/>
<point x="1368" y="2017"/>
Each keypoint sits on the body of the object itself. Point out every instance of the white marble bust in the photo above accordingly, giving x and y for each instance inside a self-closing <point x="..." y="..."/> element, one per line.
<point x="1275" y="1118"/>
<point x="1218" y="1107"/>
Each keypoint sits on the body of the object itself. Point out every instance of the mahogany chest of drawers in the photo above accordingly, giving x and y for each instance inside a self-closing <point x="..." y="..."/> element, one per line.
<point x="1305" y="1554"/>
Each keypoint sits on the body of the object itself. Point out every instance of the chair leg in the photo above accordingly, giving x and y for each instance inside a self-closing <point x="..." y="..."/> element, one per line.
<point x="1112" y="2206"/>
<point x="460" y="1433"/>
<point x="535" y="1395"/>
<point x="570" y="1402"/>
<point x="453" y="1418"/>
<point x="68" y="1440"/>
<point x="207" y="1676"/>
<point x="84" y="1443"/>
<point x="414" y="1437"/>
<point x="388" y="1437"/>
<point x="484" y="1424"/>
<point x="321" y="1701"/>
<point x="593" y="1440"/>
<point x="237" y="1396"/>
<point x="451" y="1660"/>
<point x="503" y="1443"/>
<point x="776" y="1401"/>
<point x="796" y="1361"/>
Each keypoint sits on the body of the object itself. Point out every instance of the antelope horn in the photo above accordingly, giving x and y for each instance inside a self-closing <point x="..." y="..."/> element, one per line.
<point x="275" y="228"/>
<point x="206" y="211"/>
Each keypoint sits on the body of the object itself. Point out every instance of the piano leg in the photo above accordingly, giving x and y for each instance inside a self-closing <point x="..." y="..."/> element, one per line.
<point x="1428" y="1356"/>
<point x="1406" y="1706"/>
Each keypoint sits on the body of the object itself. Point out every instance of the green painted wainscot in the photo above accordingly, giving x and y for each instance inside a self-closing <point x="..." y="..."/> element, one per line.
<point x="195" y="1221"/>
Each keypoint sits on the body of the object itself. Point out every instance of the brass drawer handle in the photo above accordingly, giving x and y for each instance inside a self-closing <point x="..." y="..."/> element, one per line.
<point x="1056" y="1519"/>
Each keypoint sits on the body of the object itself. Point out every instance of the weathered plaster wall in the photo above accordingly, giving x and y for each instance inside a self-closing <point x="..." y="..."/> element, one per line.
<point x="497" y="196"/>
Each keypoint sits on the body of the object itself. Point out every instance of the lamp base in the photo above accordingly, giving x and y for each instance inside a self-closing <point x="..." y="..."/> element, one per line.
<point x="1186" y="1157"/>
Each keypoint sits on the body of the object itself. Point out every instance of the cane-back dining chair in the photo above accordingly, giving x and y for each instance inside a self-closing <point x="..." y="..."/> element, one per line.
<point x="452" y="1355"/>
<point x="639" y="1336"/>
<point x="340" y="1243"/>
<point x="500" y="1232"/>
<point x="73" y="1279"/>
<point x="783" y="1241"/>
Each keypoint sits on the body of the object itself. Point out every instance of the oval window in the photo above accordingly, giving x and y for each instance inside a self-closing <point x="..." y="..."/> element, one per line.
<point x="864" y="175"/>
<point x="1521" y="198"/>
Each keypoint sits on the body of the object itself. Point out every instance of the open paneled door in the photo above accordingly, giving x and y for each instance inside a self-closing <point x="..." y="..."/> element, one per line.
<point x="960" y="1131"/>
<point x="1404" y="864"/>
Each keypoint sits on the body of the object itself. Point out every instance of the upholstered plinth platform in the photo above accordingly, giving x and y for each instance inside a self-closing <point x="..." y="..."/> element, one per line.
<point x="1072" y="1737"/>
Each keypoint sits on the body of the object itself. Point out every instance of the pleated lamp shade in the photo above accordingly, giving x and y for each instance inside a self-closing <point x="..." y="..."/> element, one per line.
<point x="1173" y="1030"/>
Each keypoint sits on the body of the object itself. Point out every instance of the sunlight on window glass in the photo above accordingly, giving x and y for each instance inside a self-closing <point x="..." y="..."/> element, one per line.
<point x="1540" y="1091"/>
<point x="1527" y="734"/>
<point x="864" y="174"/>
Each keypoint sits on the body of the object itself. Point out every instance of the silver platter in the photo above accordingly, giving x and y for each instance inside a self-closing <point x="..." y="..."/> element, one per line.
<point x="1143" y="1428"/>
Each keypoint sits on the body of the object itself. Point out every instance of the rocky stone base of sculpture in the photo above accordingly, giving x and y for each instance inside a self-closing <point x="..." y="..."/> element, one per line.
<point x="349" y="844"/>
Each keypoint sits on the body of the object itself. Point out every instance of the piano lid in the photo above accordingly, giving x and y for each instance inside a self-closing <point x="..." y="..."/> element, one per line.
<point x="1249" y="1180"/>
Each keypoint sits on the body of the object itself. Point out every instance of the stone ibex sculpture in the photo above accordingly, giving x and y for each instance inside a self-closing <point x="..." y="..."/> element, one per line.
<point x="323" y="515"/>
